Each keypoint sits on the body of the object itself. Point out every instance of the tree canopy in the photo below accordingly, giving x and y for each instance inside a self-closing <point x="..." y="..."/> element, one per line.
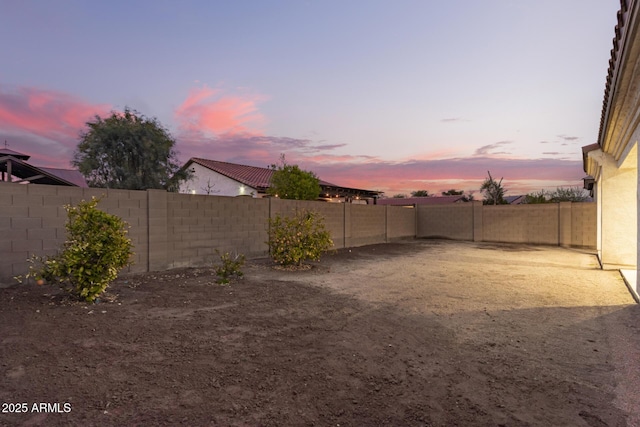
<point x="493" y="191"/>
<point x="536" y="198"/>
<point x="128" y="151"/>
<point x="291" y="182"/>
<point x="453" y="192"/>
<point x="420" y="193"/>
<point x="569" y="194"/>
<point x="560" y="194"/>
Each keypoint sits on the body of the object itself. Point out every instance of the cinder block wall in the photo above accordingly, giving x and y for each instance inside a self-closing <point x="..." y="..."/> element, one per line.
<point x="536" y="224"/>
<point x="401" y="222"/>
<point x="198" y="225"/>
<point x="367" y="224"/>
<point x="584" y="225"/>
<point x="171" y="230"/>
<point x="564" y="224"/>
<point x="32" y="220"/>
<point x="333" y="214"/>
<point x="454" y="221"/>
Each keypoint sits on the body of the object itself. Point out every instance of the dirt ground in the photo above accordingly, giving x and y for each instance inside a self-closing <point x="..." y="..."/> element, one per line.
<point x="417" y="333"/>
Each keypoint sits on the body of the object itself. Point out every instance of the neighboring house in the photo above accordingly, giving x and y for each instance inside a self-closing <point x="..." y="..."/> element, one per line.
<point x="14" y="167"/>
<point x="410" y="201"/>
<point x="612" y="162"/>
<point x="515" y="200"/>
<point x="230" y="179"/>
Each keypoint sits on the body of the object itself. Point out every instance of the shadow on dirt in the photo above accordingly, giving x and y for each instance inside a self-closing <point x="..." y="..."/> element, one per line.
<point x="178" y="349"/>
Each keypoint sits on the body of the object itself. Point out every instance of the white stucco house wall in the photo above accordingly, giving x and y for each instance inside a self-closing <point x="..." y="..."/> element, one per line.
<point x="216" y="178"/>
<point x="225" y="179"/>
<point x="613" y="160"/>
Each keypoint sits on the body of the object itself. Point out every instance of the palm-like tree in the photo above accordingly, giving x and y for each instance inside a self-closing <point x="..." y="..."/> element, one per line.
<point x="493" y="191"/>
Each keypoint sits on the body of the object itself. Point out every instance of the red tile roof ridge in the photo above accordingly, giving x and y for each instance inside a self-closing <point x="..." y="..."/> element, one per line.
<point x="253" y="176"/>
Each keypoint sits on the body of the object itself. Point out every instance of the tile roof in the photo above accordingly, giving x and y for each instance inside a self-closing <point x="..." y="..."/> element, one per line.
<point x="257" y="177"/>
<point x="622" y="35"/>
<point x="253" y="176"/>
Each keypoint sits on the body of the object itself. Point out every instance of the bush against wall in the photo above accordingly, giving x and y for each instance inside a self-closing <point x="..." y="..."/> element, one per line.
<point x="230" y="267"/>
<point x="97" y="248"/>
<point x="295" y="239"/>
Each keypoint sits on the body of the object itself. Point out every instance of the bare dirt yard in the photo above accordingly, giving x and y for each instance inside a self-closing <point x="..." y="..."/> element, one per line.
<point x="416" y="333"/>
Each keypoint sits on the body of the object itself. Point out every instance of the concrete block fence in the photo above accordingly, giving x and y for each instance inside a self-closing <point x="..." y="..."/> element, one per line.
<point x="561" y="224"/>
<point x="170" y="230"/>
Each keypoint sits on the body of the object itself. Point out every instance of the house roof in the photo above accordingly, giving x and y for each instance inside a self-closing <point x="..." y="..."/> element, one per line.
<point x="252" y="176"/>
<point x="36" y="175"/>
<point x="406" y="201"/>
<point x="71" y="175"/>
<point x="9" y="152"/>
<point x="260" y="178"/>
<point x="514" y="200"/>
<point x="585" y="155"/>
<point x="624" y="42"/>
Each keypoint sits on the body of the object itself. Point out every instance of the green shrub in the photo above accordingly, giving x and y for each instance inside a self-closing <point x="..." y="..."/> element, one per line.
<point x="292" y="240"/>
<point x="97" y="247"/>
<point x="231" y="266"/>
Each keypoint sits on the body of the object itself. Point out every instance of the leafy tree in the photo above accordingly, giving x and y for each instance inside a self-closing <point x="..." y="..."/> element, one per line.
<point x="536" y="198"/>
<point x="570" y="194"/>
<point x="452" y="192"/>
<point x="129" y="151"/>
<point x="420" y="193"/>
<point x="399" y="196"/>
<point x="493" y="191"/>
<point x="291" y="182"/>
<point x="560" y="194"/>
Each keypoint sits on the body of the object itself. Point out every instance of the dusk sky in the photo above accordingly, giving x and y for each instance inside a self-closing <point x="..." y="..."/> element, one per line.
<point x="394" y="96"/>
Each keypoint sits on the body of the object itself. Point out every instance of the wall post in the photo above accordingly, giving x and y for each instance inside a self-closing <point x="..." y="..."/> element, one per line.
<point x="157" y="229"/>
<point x="564" y="224"/>
<point x="477" y="221"/>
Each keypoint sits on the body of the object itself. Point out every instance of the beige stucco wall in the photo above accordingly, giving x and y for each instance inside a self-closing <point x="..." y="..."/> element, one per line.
<point x="617" y="212"/>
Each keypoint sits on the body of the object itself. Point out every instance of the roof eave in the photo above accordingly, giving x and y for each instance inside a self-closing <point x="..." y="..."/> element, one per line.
<point x="620" y="57"/>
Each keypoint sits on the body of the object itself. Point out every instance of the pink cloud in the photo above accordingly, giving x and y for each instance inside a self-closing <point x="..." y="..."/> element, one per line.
<point x="520" y="175"/>
<point x="431" y="171"/>
<point x="44" y="112"/>
<point x="208" y="111"/>
<point x="44" y="123"/>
